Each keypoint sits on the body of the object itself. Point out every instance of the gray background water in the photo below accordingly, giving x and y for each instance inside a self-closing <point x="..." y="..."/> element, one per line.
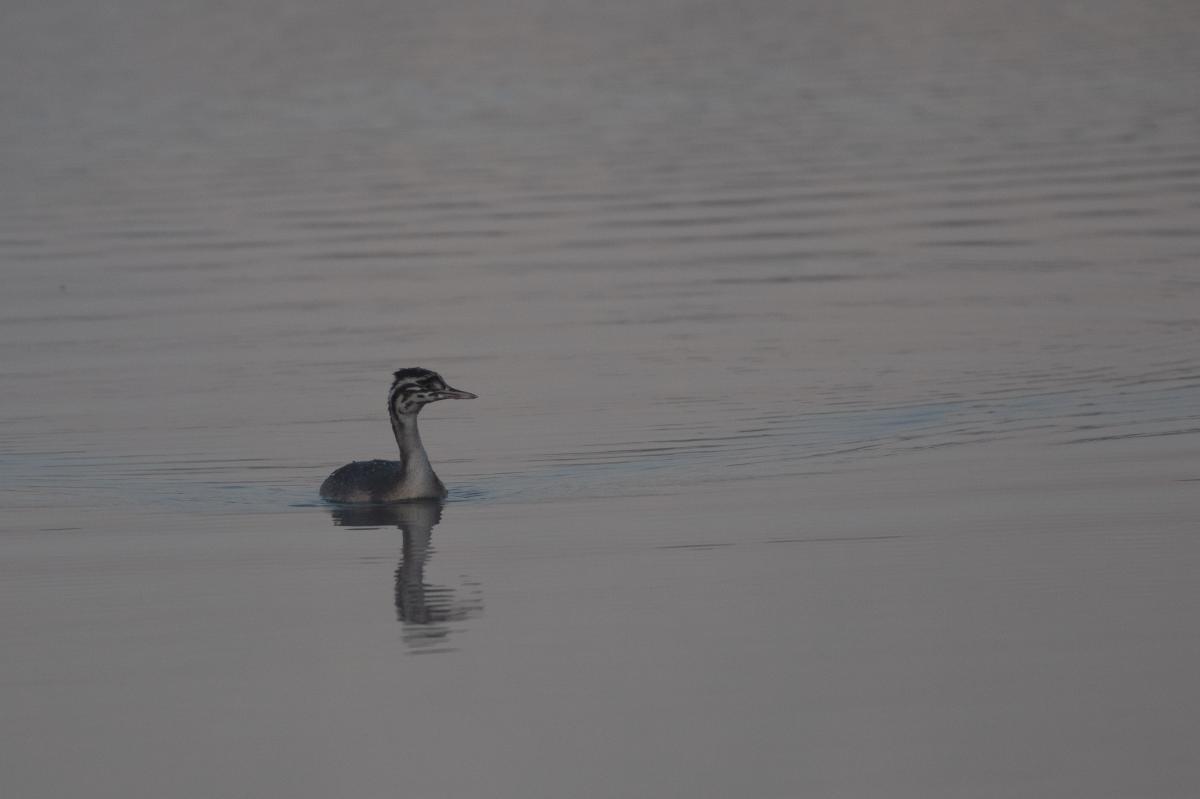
<point x="839" y="398"/>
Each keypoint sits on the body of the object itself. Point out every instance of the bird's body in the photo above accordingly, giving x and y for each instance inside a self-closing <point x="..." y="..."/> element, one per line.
<point x="379" y="481"/>
<point x="411" y="477"/>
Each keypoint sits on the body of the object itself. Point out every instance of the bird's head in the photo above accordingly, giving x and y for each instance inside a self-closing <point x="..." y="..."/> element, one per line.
<point x="413" y="389"/>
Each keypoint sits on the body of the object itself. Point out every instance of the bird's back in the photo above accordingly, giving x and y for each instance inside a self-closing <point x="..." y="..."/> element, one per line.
<point x="364" y="481"/>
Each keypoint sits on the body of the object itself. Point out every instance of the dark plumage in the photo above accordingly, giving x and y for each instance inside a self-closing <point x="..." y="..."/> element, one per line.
<point x="366" y="481"/>
<point x="411" y="477"/>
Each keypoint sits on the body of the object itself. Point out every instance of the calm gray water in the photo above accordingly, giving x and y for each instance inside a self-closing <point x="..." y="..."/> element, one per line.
<point x="838" y="420"/>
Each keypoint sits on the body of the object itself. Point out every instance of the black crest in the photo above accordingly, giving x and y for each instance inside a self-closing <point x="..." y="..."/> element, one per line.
<point x="411" y="373"/>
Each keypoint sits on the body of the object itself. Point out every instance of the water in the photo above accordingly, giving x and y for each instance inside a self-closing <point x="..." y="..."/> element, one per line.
<point x="837" y="431"/>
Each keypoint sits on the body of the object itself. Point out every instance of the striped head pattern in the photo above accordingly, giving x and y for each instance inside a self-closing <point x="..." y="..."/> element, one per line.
<point x="414" y="388"/>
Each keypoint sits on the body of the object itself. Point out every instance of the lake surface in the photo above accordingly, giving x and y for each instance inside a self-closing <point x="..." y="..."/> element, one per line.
<point x="839" y="417"/>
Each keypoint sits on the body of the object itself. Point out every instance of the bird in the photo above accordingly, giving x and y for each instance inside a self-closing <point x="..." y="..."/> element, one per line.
<point x="411" y="477"/>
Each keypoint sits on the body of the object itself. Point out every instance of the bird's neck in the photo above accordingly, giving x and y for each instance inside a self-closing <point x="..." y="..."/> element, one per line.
<point x="412" y="451"/>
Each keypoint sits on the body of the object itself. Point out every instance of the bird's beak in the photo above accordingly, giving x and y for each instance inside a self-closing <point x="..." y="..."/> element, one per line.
<point x="454" y="393"/>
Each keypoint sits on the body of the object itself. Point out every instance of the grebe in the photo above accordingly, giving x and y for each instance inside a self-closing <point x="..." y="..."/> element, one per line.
<point x="411" y="477"/>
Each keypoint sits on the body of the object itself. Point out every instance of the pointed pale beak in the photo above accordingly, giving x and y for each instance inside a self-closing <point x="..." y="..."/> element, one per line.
<point x="454" y="393"/>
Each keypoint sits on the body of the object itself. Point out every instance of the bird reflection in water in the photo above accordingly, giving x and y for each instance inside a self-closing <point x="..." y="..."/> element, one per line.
<point x="426" y="611"/>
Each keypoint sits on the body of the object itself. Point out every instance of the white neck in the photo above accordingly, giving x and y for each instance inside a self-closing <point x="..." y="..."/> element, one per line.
<point x="418" y="473"/>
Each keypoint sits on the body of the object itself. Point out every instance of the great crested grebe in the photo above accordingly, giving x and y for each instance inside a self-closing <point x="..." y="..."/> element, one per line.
<point x="411" y="477"/>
